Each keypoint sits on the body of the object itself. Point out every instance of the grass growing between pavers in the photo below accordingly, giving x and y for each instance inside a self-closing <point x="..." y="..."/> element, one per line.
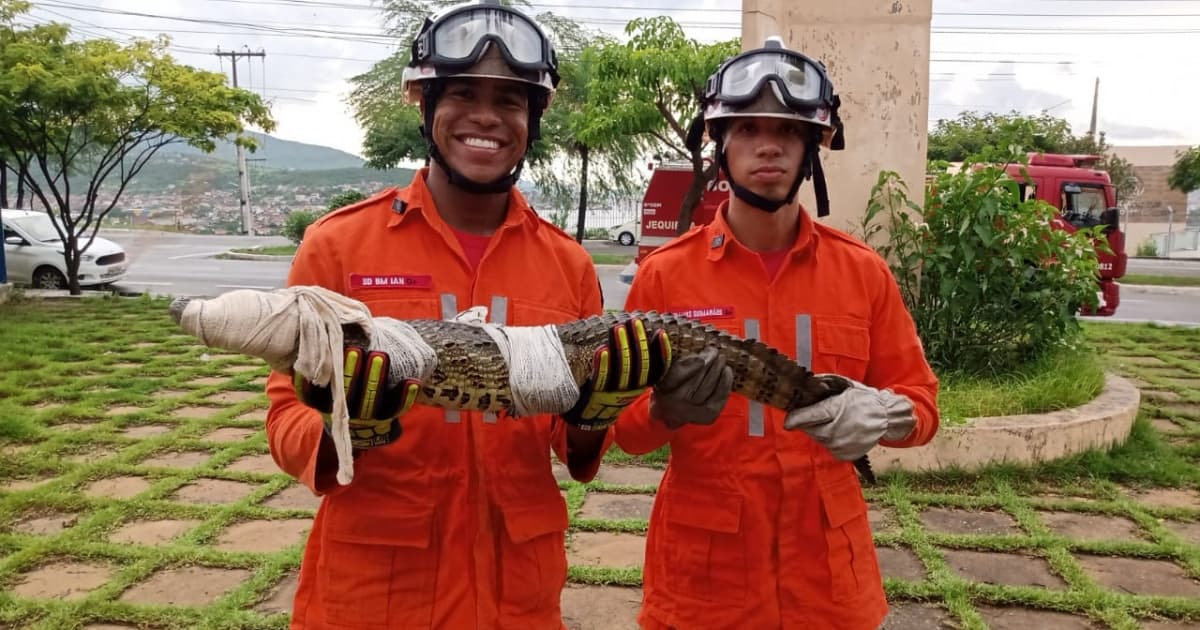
<point x="114" y="415"/>
<point x="128" y="462"/>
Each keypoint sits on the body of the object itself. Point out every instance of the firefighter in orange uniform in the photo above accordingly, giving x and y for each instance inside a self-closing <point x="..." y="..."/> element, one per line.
<point x="452" y="520"/>
<point x="760" y="521"/>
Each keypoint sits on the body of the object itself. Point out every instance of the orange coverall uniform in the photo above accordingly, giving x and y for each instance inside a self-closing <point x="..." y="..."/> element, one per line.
<point x="755" y="526"/>
<point x="459" y="523"/>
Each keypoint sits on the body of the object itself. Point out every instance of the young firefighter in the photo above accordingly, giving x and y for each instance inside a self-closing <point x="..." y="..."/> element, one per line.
<point x="760" y="521"/>
<point x="452" y="520"/>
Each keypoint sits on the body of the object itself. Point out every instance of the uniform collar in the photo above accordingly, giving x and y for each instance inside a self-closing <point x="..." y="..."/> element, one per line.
<point x="720" y="236"/>
<point x="416" y="200"/>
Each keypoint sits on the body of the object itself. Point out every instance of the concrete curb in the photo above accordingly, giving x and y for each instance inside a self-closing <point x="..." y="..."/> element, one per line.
<point x="1160" y="290"/>
<point x="240" y="256"/>
<point x="5" y="289"/>
<point x="1025" y="439"/>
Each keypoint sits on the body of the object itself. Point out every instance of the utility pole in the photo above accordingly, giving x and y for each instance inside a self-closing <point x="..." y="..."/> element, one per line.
<point x="243" y="176"/>
<point x="1095" y="106"/>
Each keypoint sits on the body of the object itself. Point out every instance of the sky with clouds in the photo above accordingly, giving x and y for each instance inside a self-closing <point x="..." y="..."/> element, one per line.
<point x="1001" y="55"/>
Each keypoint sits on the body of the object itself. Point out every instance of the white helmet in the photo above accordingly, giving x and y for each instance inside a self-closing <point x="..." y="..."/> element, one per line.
<point x="481" y="39"/>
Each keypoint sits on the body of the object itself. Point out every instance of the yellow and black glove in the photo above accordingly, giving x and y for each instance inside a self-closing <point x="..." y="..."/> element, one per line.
<point x="375" y="406"/>
<point x="622" y="370"/>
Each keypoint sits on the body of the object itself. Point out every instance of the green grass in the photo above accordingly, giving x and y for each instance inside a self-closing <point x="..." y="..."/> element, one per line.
<point x="612" y="259"/>
<point x="77" y="361"/>
<point x="1165" y="281"/>
<point x="1057" y="381"/>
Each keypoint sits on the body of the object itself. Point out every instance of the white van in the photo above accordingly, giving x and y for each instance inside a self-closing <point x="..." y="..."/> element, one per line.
<point x="33" y="253"/>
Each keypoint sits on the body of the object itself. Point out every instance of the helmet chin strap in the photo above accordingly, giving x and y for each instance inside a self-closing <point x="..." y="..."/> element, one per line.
<point x="432" y="91"/>
<point x="811" y="166"/>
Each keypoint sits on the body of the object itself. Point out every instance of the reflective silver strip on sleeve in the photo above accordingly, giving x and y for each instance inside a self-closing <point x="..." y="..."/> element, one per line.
<point x="499" y="310"/>
<point x="449" y="310"/>
<point x="449" y="305"/>
<point x="804" y="340"/>
<point x="498" y="314"/>
<point x="756" y="408"/>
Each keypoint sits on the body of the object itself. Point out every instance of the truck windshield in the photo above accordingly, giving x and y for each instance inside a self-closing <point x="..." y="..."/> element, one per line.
<point x="1083" y="205"/>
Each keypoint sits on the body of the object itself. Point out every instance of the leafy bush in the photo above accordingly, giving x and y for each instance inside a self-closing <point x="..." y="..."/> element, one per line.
<point x="298" y="221"/>
<point x="1147" y="248"/>
<point x="990" y="284"/>
<point x="344" y="198"/>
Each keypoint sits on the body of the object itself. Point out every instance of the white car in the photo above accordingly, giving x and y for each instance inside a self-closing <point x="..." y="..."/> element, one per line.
<point x="626" y="233"/>
<point x="33" y="253"/>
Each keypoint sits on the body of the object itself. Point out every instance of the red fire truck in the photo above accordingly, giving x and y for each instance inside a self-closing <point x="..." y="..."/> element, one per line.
<point x="1083" y="195"/>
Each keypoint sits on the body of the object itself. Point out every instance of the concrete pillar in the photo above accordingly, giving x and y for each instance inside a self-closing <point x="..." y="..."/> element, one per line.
<point x="877" y="55"/>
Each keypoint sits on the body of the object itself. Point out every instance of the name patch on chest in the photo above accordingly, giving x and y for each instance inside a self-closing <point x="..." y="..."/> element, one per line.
<point x="390" y="281"/>
<point x="703" y="313"/>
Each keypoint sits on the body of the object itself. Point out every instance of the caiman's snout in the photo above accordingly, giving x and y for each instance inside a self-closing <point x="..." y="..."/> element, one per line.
<point x="177" y="306"/>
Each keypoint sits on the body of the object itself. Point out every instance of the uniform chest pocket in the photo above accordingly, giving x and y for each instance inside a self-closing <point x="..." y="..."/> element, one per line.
<point x="707" y="553"/>
<point x="843" y="346"/>
<point x="378" y="569"/>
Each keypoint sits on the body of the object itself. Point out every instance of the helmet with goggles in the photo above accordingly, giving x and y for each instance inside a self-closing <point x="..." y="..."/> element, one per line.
<point x="775" y="82"/>
<point x="482" y="39"/>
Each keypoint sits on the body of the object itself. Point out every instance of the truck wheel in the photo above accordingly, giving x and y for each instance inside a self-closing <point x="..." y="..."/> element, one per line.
<point x="48" y="278"/>
<point x="625" y="238"/>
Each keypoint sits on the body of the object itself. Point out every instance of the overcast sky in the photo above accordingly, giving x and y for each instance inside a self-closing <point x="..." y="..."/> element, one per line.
<point x="1143" y="51"/>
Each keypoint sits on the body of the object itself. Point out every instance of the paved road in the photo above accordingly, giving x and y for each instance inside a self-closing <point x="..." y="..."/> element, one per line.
<point x="1158" y="267"/>
<point x="186" y="264"/>
<point x="178" y="264"/>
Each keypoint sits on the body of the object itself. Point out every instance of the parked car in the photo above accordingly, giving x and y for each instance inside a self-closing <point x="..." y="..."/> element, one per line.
<point x="33" y="253"/>
<point x="626" y="233"/>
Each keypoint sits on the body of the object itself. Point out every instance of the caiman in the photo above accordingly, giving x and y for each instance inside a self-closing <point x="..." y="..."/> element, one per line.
<point x="471" y="373"/>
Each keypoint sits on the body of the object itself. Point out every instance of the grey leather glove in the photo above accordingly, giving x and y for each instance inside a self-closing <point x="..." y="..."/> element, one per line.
<point x="693" y="391"/>
<point x="853" y="422"/>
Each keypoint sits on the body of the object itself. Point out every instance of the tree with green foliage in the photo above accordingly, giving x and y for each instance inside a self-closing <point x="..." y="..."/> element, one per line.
<point x="87" y="115"/>
<point x="344" y="198"/>
<point x="578" y="156"/>
<point x="990" y="137"/>
<point x="650" y="88"/>
<point x="1185" y="174"/>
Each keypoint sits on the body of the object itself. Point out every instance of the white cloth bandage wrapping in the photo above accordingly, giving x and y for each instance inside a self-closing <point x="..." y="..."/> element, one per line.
<point x="300" y="328"/>
<point x="538" y="372"/>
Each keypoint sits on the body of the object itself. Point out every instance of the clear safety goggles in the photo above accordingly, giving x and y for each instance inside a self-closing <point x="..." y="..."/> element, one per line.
<point x="799" y="80"/>
<point x="458" y="39"/>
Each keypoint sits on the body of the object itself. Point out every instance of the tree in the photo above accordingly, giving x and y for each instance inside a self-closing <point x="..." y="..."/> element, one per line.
<point x="1185" y="174"/>
<point x="990" y="137"/>
<point x="573" y="150"/>
<point x="344" y="199"/>
<point x="87" y="116"/>
<point x="650" y="88"/>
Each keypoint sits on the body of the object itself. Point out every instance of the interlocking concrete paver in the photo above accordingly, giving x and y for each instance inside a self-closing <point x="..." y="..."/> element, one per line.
<point x="185" y="586"/>
<point x="67" y="580"/>
<point x="1140" y="576"/>
<point x="1002" y="568"/>
<point x="959" y="521"/>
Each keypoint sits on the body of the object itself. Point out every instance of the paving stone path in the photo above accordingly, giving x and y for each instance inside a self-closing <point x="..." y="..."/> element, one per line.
<point x="170" y="511"/>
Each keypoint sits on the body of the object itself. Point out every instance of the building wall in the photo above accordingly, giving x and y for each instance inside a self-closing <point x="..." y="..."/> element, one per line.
<point x="877" y="55"/>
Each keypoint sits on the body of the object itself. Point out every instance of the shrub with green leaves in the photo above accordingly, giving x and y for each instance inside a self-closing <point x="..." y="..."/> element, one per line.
<point x="297" y="222"/>
<point x="990" y="283"/>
